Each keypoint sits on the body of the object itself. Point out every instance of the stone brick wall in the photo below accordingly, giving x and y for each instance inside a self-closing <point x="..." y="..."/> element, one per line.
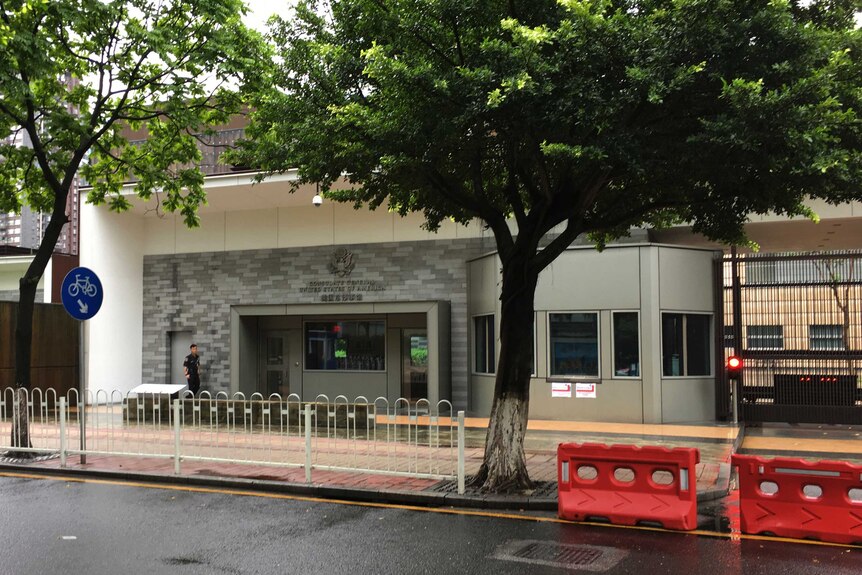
<point x="194" y="292"/>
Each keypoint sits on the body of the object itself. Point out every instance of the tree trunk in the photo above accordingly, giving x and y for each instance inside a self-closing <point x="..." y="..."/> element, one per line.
<point x="24" y="324"/>
<point x="20" y="425"/>
<point x="504" y="468"/>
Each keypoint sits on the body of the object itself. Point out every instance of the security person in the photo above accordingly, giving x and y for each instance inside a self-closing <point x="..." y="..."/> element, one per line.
<point x="191" y="367"/>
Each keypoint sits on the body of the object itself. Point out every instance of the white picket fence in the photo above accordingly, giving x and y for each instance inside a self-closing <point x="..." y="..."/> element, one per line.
<point x="414" y="439"/>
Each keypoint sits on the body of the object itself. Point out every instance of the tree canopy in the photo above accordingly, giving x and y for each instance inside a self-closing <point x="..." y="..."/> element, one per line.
<point x="76" y="76"/>
<point x="600" y="114"/>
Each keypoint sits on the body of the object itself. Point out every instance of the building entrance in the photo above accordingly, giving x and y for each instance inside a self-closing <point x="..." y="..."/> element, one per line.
<point x="414" y="364"/>
<point x="280" y="372"/>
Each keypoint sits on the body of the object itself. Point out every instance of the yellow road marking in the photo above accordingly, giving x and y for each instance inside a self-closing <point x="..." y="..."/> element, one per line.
<point x="465" y="512"/>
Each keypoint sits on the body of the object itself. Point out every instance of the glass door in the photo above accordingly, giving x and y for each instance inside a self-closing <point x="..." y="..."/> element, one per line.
<point x="275" y="371"/>
<point x="414" y="363"/>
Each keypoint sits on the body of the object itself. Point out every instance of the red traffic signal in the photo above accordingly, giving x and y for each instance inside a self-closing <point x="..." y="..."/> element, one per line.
<point x="734" y="366"/>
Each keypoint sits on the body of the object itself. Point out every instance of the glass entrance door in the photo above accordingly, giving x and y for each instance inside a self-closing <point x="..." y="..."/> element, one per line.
<point x="275" y="371"/>
<point x="414" y="364"/>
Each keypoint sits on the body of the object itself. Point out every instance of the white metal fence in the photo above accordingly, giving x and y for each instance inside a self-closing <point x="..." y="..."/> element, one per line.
<point x="415" y="439"/>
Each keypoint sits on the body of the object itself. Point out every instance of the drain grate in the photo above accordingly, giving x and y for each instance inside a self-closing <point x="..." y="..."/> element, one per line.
<point x="561" y="555"/>
<point x="573" y="556"/>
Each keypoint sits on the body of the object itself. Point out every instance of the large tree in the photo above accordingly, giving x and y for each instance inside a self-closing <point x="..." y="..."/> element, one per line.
<point x="569" y="117"/>
<point x="76" y="77"/>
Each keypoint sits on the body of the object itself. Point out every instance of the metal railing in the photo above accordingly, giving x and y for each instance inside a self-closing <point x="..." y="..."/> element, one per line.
<point x="415" y="439"/>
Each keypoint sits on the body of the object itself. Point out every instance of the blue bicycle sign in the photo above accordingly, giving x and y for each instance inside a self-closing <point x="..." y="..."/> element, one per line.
<point x="82" y="293"/>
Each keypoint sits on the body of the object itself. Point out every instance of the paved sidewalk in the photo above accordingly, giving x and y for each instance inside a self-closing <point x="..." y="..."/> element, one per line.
<point x="807" y="441"/>
<point x="714" y="442"/>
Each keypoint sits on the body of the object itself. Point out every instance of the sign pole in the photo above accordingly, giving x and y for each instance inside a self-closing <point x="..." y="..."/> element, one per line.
<point x="82" y="404"/>
<point x="82" y="296"/>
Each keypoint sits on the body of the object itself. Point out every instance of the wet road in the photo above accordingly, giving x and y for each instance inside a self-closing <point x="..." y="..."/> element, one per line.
<point x="55" y="526"/>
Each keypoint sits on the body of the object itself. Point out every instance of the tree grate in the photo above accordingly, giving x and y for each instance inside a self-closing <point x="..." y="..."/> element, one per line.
<point x="16" y="460"/>
<point x="561" y="555"/>
<point x="542" y="489"/>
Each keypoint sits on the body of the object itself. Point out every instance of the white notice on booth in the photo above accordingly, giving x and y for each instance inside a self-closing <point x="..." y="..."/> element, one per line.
<point x="561" y="389"/>
<point x="585" y="390"/>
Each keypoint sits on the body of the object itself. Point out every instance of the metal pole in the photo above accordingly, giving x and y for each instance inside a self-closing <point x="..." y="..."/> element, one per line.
<point x="461" y="478"/>
<point x="735" y="403"/>
<point x="176" y="437"/>
<point x="737" y="329"/>
<point x="63" y="446"/>
<point x="308" y="443"/>
<point x="82" y="394"/>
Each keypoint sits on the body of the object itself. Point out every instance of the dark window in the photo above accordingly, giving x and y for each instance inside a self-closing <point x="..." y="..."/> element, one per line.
<point x="826" y="337"/>
<point x="626" y="345"/>
<point x="697" y="344"/>
<point x="483" y="332"/>
<point x="765" y="337"/>
<point x="574" y="344"/>
<point x="345" y="345"/>
<point x="685" y="344"/>
<point x="728" y="336"/>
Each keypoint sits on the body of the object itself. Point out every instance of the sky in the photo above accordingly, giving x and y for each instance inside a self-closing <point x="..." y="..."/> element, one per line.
<point x="261" y="10"/>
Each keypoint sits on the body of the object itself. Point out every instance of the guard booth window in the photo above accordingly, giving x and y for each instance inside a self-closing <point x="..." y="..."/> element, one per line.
<point x="574" y="344"/>
<point x="483" y="346"/>
<point x="685" y="344"/>
<point x="626" y="344"/>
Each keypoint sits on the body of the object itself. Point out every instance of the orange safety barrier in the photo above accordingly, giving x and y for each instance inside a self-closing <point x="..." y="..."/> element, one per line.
<point x="627" y="484"/>
<point x="791" y="497"/>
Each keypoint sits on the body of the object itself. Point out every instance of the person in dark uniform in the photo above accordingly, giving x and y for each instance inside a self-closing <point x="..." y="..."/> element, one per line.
<point x="192" y="369"/>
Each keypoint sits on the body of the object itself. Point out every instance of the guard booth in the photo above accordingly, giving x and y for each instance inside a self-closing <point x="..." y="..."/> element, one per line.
<point x="796" y="322"/>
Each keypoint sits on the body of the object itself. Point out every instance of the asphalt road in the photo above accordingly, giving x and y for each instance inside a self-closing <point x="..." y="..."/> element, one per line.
<point x="55" y="526"/>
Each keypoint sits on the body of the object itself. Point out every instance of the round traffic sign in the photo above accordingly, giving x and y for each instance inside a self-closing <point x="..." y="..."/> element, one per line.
<point x="82" y="293"/>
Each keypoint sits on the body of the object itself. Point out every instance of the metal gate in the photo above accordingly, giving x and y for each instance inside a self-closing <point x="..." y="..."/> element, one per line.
<point x="795" y="319"/>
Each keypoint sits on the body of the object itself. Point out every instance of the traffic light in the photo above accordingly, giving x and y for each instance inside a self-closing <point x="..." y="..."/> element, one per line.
<point x="734" y="367"/>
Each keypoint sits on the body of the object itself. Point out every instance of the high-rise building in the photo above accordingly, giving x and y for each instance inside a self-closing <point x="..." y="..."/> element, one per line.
<point x="26" y="230"/>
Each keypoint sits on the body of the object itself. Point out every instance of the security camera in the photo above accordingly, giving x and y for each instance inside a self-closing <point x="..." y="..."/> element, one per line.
<point x="317" y="200"/>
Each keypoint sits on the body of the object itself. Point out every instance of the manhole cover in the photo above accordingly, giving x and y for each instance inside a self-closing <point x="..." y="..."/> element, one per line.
<point x="562" y="555"/>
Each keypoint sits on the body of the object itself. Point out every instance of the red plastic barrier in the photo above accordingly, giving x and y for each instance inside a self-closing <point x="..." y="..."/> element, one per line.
<point x="789" y="511"/>
<point x="622" y="499"/>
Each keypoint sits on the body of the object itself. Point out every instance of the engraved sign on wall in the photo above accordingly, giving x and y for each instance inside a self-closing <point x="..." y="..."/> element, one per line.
<point x="341" y="265"/>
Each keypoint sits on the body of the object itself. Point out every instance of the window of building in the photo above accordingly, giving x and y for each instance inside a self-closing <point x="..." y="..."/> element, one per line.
<point x="765" y="337"/>
<point x="826" y="337"/>
<point x="728" y="336"/>
<point x="627" y="362"/>
<point x="357" y="345"/>
<point x="574" y="344"/>
<point x="484" y="344"/>
<point x="685" y="344"/>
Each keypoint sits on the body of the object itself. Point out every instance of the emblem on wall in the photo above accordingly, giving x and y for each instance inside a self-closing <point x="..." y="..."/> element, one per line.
<point x="341" y="263"/>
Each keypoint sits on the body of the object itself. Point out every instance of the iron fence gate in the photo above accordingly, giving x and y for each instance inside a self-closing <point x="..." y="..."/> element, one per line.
<point x="795" y="319"/>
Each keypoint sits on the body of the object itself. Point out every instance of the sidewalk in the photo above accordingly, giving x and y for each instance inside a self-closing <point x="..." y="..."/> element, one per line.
<point x="713" y="473"/>
<point x="806" y="441"/>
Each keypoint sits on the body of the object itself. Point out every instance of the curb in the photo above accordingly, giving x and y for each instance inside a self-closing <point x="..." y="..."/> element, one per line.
<point x="417" y="498"/>
<point x="316" y="490"/>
